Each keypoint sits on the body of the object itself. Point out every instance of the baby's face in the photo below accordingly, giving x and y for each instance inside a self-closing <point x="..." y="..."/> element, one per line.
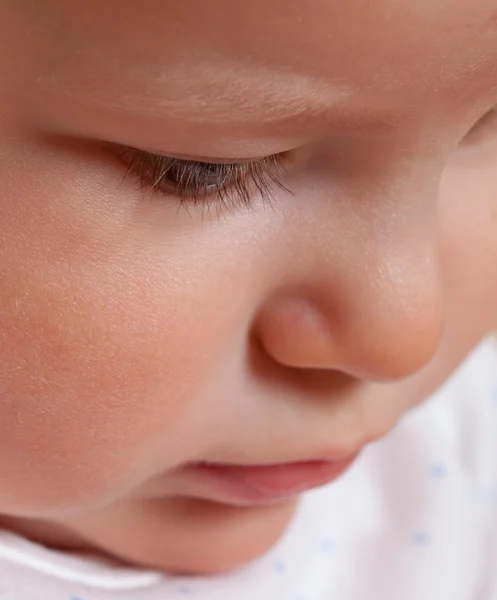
<point x="141" y="332"/>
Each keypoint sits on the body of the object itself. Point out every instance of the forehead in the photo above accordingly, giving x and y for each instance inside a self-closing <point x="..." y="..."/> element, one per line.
<point x="264" y="57"/>
<point x="320" y="38"/>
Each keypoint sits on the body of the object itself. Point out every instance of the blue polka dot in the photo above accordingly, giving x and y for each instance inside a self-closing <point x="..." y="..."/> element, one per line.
<point x="420" y="538"/>
<point x="438" y="471"/>
<point x="493" y="396"/>
<point x="280" y="566"/>
<point x="327" y="545"/>
<point x="185" y="590"/>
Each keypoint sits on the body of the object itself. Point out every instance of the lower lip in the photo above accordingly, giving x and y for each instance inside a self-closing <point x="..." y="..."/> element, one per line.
<point x="272" y="483"/>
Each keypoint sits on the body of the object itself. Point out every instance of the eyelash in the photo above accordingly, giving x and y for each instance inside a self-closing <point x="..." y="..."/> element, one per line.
<point x="200" y="183"/>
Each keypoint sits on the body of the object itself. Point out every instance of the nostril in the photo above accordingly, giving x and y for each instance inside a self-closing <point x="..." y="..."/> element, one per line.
<point x="316" y="385"/>
<point x="295" y="333"/>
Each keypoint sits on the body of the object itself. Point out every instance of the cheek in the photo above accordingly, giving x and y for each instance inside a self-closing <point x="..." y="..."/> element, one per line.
<point x="104" y="375"/>
<point x="81" y="388"/>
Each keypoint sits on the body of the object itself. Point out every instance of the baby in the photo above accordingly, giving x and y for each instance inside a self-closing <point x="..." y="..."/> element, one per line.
<point x="240" y="241"/>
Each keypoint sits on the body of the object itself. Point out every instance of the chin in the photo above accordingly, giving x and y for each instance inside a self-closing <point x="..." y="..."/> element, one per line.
<point x="215" y="539"/>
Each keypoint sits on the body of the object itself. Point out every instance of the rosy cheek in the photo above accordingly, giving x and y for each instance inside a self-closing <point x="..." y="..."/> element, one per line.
<point x="91" y="387"/>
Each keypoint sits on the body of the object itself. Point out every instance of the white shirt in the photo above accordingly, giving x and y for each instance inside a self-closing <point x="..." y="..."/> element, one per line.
<point x="414" y="519"/>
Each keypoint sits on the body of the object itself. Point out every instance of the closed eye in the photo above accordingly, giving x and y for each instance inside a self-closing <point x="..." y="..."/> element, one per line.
<point x="197" y="182"/>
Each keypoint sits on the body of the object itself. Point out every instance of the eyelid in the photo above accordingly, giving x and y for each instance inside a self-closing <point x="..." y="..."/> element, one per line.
<point x="212" y="160"/>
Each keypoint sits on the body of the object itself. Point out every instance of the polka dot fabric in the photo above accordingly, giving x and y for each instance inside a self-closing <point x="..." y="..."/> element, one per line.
<point x="414" y="519"/>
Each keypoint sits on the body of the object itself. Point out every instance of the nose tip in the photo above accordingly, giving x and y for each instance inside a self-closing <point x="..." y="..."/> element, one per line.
<point x="365" y="339"/>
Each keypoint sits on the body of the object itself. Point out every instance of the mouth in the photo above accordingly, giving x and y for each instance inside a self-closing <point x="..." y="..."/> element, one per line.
<point x="263" y="484"/>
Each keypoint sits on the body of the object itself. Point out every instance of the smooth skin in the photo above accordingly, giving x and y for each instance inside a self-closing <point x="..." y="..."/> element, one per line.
<point x="137" y="335"/>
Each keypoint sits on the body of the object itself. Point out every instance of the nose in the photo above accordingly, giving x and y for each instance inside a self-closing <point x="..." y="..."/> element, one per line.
<point x="372" y="309"/>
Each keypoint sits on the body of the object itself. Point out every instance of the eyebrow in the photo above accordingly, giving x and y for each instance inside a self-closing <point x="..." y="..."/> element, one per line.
<point x="228" y="99"/>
